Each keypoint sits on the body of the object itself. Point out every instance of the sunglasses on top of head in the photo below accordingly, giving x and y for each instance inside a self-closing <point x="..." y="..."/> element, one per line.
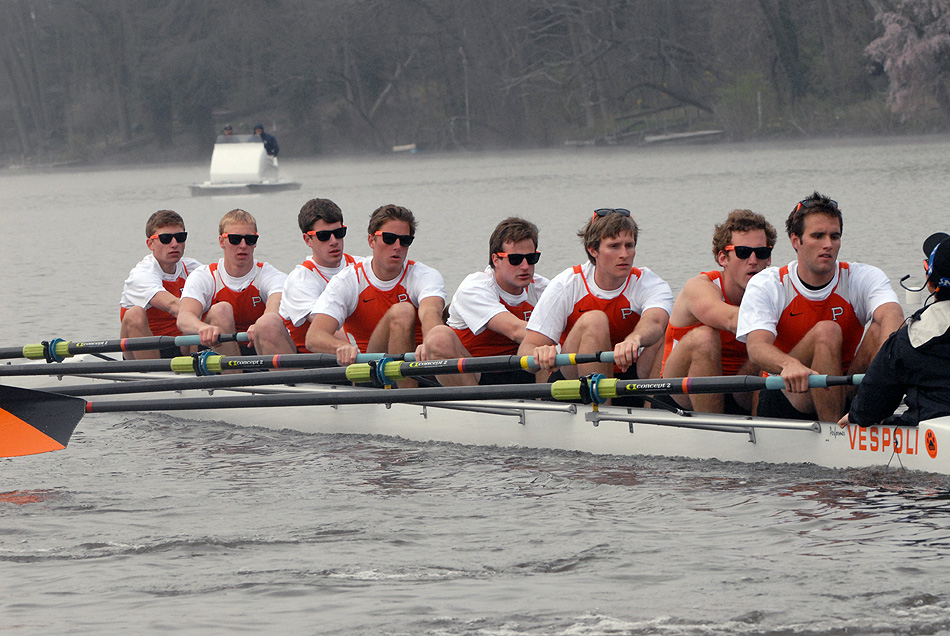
<point x="324" y="235"/>
<point x="389" y="238"/>
<point x="181" y="237"/>
<point x="516" y="259"/>
<point x="744" y="252"/>
<point x="605" y="211"/>
<point x="811" y="203"/>
<point x="235" y="239"/>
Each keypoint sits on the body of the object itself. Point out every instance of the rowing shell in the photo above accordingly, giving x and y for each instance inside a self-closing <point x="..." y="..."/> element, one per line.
<point x="577" y="427"/>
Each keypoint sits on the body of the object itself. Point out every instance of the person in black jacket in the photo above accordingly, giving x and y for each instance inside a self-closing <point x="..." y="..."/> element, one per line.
<point x="915" y="360"/>
<point x="270" y="142"/>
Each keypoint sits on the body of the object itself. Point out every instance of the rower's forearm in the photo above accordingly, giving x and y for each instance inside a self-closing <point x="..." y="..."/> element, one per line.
<point x="321" y="342"/>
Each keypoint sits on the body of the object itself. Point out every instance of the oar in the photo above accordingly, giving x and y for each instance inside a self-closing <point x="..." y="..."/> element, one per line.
<point x="34" y="421"/>
<point x="585" y="390"/>
<point x="358" y="373"/>
<point x="361" y="372"/>
<point x="183" y="364"/>
<point x="57" y="350"/>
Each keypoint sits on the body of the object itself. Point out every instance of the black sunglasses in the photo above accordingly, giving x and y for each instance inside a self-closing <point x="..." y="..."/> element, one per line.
<point x="744" y="252"/>
<point x="389" y="238"/>
<point x="515" y="259"/>
<point x="324" y="235"/>
<point x="181" y="237"/>
<point x="606" y="211"/>
<point x="235" y="239"/>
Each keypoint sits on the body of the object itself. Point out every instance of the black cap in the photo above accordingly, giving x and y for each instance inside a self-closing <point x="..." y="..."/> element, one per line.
<point x="938" y="259"/>
<point x="933" y="240"/>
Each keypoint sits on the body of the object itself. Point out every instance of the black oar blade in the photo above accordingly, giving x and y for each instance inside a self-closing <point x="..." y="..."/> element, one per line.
<point x="34" y="422"/>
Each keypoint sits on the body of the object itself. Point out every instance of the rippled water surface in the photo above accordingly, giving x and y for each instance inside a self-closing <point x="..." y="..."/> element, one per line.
<point x="160" y="525"/>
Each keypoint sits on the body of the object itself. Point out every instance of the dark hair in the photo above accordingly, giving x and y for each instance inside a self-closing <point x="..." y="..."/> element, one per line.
<point x="609" y="226"/>
<point x="815" y="204"/>
<point x="391" y="212"/>
<point x="511" y="230"/>
<point x="318" y="210"/>
<point x="741" y="221"/>
<point x="162" y="218"/>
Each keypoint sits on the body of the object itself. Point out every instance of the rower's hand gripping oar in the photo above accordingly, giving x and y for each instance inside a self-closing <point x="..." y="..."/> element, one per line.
<point x="57" y="350"/>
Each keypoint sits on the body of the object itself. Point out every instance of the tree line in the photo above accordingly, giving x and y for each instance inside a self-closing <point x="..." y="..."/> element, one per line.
<point x="88" y="79"/>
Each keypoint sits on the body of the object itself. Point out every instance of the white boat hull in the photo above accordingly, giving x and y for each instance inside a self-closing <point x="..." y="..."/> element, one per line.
<point x="609" y="430"/>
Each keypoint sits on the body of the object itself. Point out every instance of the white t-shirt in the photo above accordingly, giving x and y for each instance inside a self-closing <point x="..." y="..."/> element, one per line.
<point x="342" y="294"/>
<point x="479" y="299"/>
<point x="303" y="287"/>
<point x="567" y="289"/>
<point x="765" y="296"/>
<point x="200" y="284"/>
<point x="145" y="280"/>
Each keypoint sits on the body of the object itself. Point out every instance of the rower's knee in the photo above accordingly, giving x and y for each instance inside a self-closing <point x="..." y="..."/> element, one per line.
<point x="442" y="343"/>
<point x="828" y="334"/>
<point x="221" y="315"/>
<point x="270" y="326"/>
<point x="703" y="340"/>
<point x="401" y="316"/>
<point x="135" y="320"/>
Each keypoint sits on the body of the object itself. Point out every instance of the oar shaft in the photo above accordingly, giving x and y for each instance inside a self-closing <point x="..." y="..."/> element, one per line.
<point x="330" y="397"/>
<point x="724" y="384"/>
<point x="61" y="349"/>
<point x="560" y="390"/>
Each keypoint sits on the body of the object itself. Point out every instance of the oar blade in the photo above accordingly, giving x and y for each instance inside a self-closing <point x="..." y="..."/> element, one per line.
<point x="34" y="422"/>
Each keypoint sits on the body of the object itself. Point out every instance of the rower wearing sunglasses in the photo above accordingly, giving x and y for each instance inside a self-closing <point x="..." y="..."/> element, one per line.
<point x="810" y="316"/>
<point x="701" y="336"/>
<point x="151" y="295"/>
<point x="606" y="304"/>
<point x="232" y="294"/>
<point x="384" y="304"/>
<point x="321" y="224"/>
<point x="490" y="309"/>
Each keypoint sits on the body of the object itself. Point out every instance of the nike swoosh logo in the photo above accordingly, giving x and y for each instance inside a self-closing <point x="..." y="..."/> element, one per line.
<point x="794" y="314"/>
<point x="580" y="311"/>
<point x="366" y="300"/>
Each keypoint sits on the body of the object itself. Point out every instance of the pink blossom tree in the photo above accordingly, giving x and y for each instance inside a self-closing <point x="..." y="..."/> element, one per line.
<point x="915" y="54"/>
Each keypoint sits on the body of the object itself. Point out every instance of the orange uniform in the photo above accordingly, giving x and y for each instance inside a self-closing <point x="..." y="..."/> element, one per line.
<point x="733" y="352"/>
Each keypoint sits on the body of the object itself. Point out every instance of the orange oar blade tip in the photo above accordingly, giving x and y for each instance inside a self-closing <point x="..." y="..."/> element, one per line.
<point x="34" y="422"/>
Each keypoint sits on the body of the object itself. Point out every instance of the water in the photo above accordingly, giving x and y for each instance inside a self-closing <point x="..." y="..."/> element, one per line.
<point x="160" y="525"/>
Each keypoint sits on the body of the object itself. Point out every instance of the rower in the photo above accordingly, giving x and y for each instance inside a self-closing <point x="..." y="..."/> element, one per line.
<point x="602" y="305"/>
<point x="913" y="361"/>
<point x="809" y="316"/>
<point x="701" y="336"/>
<point x="490" y="309"/>
<point x="151" y="295"/>
<point x="321" y="224"/>
<point x="384" y="304"/>
<point x="232" y="294"/>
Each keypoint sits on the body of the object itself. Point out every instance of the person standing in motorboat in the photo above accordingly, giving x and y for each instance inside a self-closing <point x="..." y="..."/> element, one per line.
<point x="270" y="142"/>
<point x="915" y="361"/>
<point x="151" y="296"/>
<point x="809" y="316"/>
